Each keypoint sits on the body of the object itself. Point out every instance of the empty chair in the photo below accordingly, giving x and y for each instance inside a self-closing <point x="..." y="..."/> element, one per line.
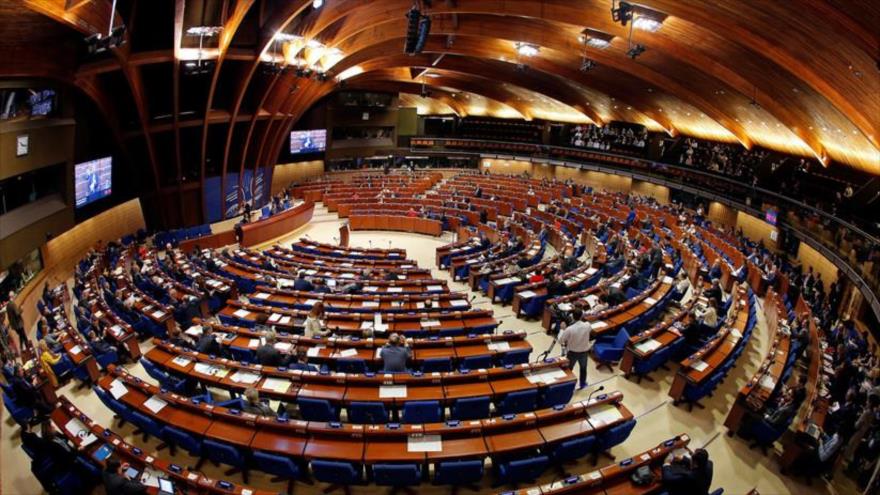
<point x="521" y="470"/>
<point x="397" y="475"/>
<point x="220" y="452"/>
<point x="458" y="473"/>
<point x="573" y="449"/>
<point x="173" y="384"/>
<point x="519" y="356"/>
<point x="242" y="354"/>
<point x="147" y="425"/>
<point x="477" y="362"/>
<point x="610" y="351"/>
<point x="615" y="436"/>
<point x="439" y="365"/>
<point x="471" y="408"/>
<point x="317" y="410"/>
<point x="557" y="394"/>
<point x="351" y="365"/>
<point x="366" y="413"/>
<point x="427" y="411"/>
<point x="21" y="414"/>
<point x="175" y="437"/>
<point x="281" y="466"/>
<point x="338" y="474"/>
<point x="519" y="401"/>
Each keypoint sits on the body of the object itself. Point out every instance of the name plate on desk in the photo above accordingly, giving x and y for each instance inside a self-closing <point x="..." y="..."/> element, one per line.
<point x="424" y="443"/>
<point x="392" y="391"/>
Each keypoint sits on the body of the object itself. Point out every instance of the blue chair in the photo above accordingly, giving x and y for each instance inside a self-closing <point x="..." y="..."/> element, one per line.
<point x="147" y="425"/>
<point x="573" y="449"/>
<point x="223" y="453"/>
<point x="176" y="385"/>
<point x="518" y="402"/>
<point x="477" y="362"/>
<point x="366" y="413"/>
<point x="234" y="403"/>
<point x="397" y="475"/>
<point x="521" y="470"/>
<point x="458" y="473"/>
<point x="21" y="414"/>
<point x="175" y="437"/>
<point x="519" y="356"/>
<point x="607" y="353"/>
<point x="351" y="365"/>
<point x="416" y="412"/>
<point x="317" y="410"/>
<point x="438" y="365"/>
<point x="281" y="466"/>
<point x="557" y="394"/>
<point x="615" y="436"/>
<point x="338" y="474"/>
<point x="242" y="354"/>
<point x="471" y="408"/>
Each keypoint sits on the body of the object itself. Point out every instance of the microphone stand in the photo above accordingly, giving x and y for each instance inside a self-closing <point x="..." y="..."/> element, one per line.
<point x="592" y="427"/>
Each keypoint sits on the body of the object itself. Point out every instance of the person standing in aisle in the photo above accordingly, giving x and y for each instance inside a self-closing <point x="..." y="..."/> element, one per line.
<point x="575" y="342"/>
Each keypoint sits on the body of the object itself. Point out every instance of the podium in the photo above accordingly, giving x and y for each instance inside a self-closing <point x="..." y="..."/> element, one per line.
<point x="343" y="235"/>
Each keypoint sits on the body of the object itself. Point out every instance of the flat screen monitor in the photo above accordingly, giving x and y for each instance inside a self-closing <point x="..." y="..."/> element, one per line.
<point x="311" y="141"/>
<point x="42" y="102"/>
<point x="93" y="180"/>
<point x="770" y="216"/>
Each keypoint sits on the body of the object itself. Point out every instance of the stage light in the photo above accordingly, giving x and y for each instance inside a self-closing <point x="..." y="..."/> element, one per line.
<point x="526" y="49"/>
<point x="635" y="51"/>
<point x="622" y="12"/>
<point x="412" y="30"/>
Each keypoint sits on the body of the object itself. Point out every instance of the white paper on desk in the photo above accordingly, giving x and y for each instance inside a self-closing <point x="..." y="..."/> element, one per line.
<point x="261" y="295"/>
<point x="118" y="388"/>
<point x="219" y="371"/>
<point x="194" y="331"/>
<point x="499" y="346"/>
<point x="378" y="326"/>
<point x="283" y="346"/>
<point x="347" y="275"/>
<point x="768" y="382"/>
<point x="458" y="303"/>
<point x="279" y="385"/>
<point x="331" y="282"/>
<point x="650" y="300"/>
<point x="604" y="413"/>
<point x="424" y="443"/>
<point x="735" y="333"/>
<point x="699" y="365"/>
<point x="285" y="320"/>
<point x="88" y="440"/>
<point x="366" y="325"/>
<point x="667" y="280"/>
<point x="526" y="294"/>
<point x="505" y="281"/>
<point x="155" y="404"/>
<point x="310" y="302"/>
<point x="392" y="391"/>
<point x="647" y="345"/>
<point x="547" y="376"/>
<point x="430" y="323"/>
<point x="565" y="306"/>
<point x="347" y="265"/>
<point x="76" y="428"/>
<point x="285" y="282"/>
<point x="591" y="271"/>
<point x="370" y="289"/>
<point x="253" y="343"/>
<point x="158" y="314"/>
<point x="274" y="317"/>
<point x="245" y="377"/>
<point x="598" y="325"/>
<point x="150" y="477"/>
<point x="204" y="369"/>
<point x="401" y="277"/>
<point x="181" y="361"/>
<point x="241" y="313"/>
<point x="369" y="304"/>
<point x="117" y="330"/>
<point x="348" y="352"/>
<point x="75" y="350"/>
<point x="394" y="290"/>
<point x="314" y="351"/>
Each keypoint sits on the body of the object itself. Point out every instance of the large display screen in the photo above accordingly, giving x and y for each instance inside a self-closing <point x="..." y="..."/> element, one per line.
<point x="93" y="180"/>
<point x="311" y="141"/>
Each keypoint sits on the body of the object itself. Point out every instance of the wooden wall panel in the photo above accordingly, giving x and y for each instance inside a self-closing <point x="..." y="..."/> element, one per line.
<point x="721" y="214"/>
<point x="756" y="229"/>
<point x="50" y="143"/>
<point x="809" y="257"/>
<point x="596" y="180"/>
<point x="286" y="173"/>
<point x="656" y="191"/>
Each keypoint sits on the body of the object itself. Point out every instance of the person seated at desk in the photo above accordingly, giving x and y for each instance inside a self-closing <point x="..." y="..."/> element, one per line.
<point x="116" y="481"/>
<point x="207" y="343"/>
<point x="301" y="283"/>
<point x="411" y="213"/>
<point x="51" y="446"/>
<point x="395" y="354"/>
<point x="709" y="317"/>
<point x="320" y="287"/>
<point x="26" y="394"/>
<point x="268" y="355"/>
<point x="301" y="362"/>
<point x="313" y="325"/>
<point x="570" y="262"/>
<point x="254" y="405"/>
<point x="678" y="476"/>
<point x="682" y="284"/>
<point x="390" y="276"/>
<point x="556" y="287"/>
<point x="613" y="295"/>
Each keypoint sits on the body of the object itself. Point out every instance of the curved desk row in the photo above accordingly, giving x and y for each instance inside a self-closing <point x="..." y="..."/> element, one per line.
<point x="397" y="223"/>
<point x="329" y="250"/>
<point x="319" y="268"/>
<point x="363" y="302"/>
<point x="257" y="232"/>
<point x="309" y="257"/>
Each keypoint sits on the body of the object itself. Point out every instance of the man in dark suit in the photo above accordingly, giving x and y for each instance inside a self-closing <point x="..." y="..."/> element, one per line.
<point x="117" y="483"/>
<point x="207" y="343"/>
<point x="268" y="355"/>
<point x="301" y="283"/>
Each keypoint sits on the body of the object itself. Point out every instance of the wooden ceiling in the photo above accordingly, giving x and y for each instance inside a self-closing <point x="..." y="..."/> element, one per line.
<point x="799" y="76"/>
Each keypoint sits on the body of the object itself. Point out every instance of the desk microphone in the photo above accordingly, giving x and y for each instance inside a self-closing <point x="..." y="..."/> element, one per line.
<point x="590" y="396"/>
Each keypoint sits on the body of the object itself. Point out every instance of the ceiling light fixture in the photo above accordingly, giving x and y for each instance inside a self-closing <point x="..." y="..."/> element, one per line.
<point x="526" y="49"/>
<point x="317" y="4"/>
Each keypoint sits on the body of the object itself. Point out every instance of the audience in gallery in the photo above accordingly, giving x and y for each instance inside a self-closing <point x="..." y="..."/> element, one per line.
<point x="606" y="137"/>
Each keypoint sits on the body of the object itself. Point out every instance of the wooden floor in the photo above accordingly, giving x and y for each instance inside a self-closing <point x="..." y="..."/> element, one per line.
<point x="737" y="469"/>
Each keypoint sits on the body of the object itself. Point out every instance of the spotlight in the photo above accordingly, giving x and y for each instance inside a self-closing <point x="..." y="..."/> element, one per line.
<point x="526" y="49"/>
<point x="587" y="65"/>
<point x="623" y="13"/>
<point x="317" y="4"/>
<point x="635" y="51"/>
<point x="521" y="67"/>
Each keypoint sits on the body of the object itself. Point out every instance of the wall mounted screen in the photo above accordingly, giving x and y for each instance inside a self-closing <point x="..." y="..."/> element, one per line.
<point x="93" y="180"/>
<point x="311" y="141"/>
